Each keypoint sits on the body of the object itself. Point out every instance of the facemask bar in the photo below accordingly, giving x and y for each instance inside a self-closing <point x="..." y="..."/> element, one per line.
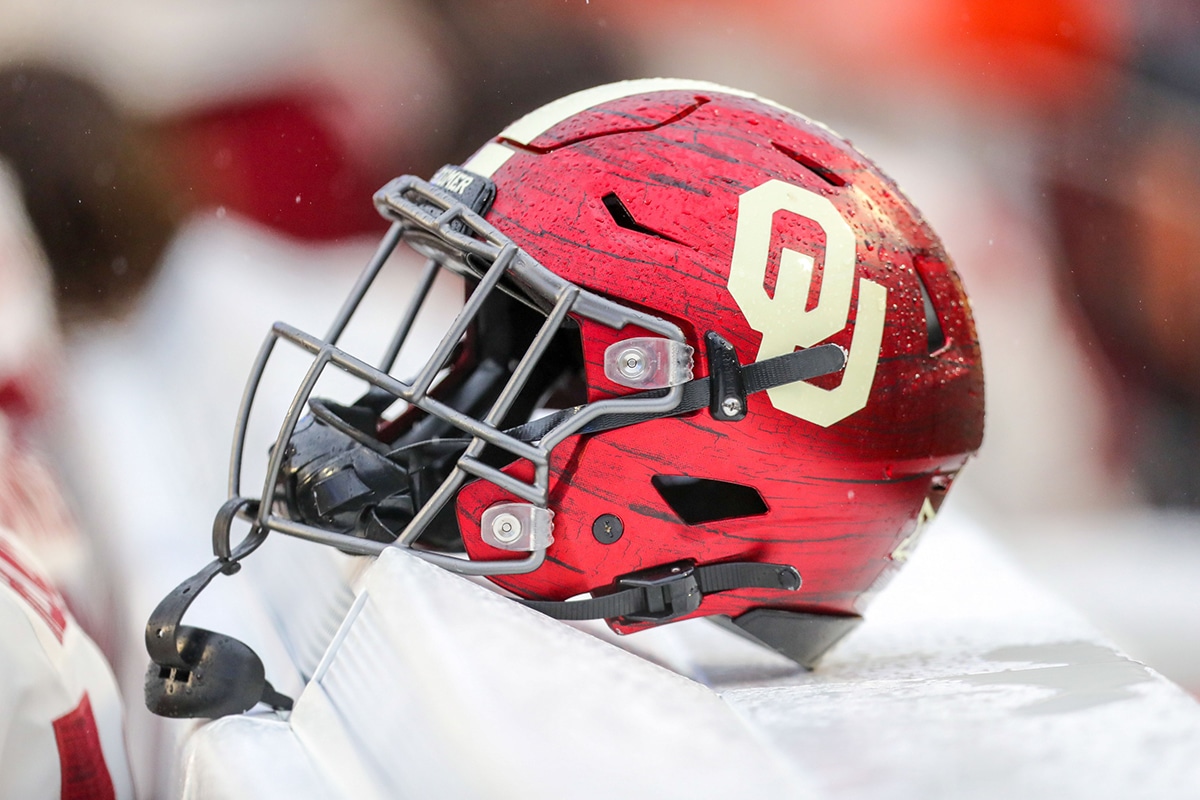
<point x="437" y="224"/>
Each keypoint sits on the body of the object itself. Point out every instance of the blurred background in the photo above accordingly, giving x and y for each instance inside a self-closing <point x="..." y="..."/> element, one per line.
<point x="174" y="178"/>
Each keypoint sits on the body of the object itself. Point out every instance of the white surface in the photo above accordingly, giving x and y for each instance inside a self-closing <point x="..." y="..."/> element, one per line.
<point x="1132" y="574"/>
<point x="250" y="756"/>
<point x="966" y="681"/>
<point x="438" y="687"/>
<point x="969" y="681"/>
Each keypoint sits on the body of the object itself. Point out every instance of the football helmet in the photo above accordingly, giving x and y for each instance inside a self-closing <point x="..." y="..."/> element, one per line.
<point x="711" y="362"/>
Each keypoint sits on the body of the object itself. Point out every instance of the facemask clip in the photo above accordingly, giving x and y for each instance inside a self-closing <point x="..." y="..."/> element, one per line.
<point x="518" y="526"/>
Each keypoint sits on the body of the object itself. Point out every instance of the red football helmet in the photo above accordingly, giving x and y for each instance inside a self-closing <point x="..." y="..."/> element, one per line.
<point x="708" y="348"/>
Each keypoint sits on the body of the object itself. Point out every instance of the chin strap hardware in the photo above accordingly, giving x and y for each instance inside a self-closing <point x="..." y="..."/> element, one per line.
<point x="726" y="387"/>
<point x="731" y="381"/>
<point x="670" y="591"/>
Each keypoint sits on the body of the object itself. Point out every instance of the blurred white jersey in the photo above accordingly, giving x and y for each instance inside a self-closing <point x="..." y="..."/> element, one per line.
<point x="60" y="714"/>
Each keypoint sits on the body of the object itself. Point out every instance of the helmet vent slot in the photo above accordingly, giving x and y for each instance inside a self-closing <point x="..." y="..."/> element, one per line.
<point x="935" y="337"/>
<point x="820" y="170"/>
<point x="700" y="500"/>
<point x="624" y="219"/>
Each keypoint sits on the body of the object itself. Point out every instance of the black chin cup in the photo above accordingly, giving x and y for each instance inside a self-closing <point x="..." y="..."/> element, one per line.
<point x="219" y="676"/>
<point x="195" y="672"/>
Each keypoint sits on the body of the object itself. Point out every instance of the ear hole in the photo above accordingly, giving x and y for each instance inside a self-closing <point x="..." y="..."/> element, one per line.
<point x="700" y="500"/>
<point x="624" y="219"/>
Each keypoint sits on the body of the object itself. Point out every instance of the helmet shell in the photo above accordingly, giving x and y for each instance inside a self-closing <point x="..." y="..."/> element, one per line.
<point x="709" y="179"/>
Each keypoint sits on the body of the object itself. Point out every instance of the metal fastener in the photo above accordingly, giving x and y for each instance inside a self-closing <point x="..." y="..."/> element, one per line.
<point x="506" y="528"/>
<point x="632" y="362"/>
<point x="607" y="528"/>
<point x="731" y="406"/>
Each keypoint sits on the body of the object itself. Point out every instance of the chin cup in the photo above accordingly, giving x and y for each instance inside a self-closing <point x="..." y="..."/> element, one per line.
<point x="214" y="676"/>
<point x="195" y="672"/>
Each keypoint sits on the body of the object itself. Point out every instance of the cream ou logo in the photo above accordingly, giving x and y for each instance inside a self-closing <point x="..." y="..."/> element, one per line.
<point x="783" y="320"/>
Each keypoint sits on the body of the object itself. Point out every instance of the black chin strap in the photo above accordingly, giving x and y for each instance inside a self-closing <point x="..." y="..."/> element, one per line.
<point x="670" y="591"/>
<point x="699" y="393"/>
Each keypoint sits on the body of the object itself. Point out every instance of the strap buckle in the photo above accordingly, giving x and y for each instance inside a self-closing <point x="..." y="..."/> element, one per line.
<point x="671" y="591"/>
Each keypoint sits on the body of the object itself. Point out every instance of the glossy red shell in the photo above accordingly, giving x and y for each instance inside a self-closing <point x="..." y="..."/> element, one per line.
<point x="840" y="498"/>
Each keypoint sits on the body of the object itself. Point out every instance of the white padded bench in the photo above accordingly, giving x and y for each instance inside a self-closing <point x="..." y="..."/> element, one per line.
<point x="965" y="681"/>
